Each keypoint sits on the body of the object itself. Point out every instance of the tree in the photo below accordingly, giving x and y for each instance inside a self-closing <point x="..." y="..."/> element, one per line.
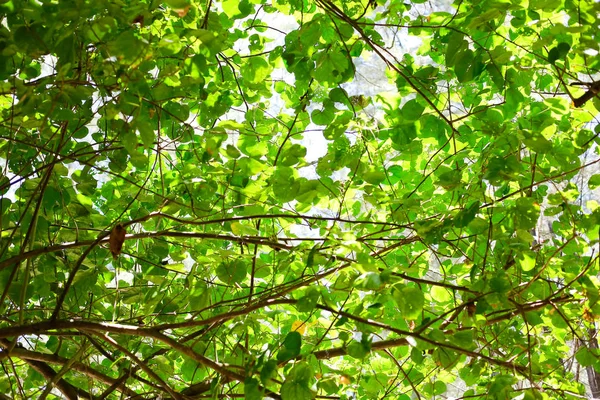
<point x="409" y="258"/>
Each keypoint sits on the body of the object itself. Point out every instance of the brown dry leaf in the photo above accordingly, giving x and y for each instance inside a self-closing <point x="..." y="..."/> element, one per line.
<point x="115" y="242"/>
<point x="588" y="315"/>
<point x="182" y="12"/>
<point x="139" y="20"/>
<point x="471" y="308"/>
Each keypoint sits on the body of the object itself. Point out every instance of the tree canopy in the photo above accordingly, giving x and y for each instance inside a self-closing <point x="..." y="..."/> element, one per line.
<point x="298" y="199"/>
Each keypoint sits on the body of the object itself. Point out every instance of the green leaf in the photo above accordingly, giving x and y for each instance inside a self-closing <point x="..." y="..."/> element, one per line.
<point x="464" y="339"/>
<point x="256" y="69"/>
<point x="456" y="44"/>
<point x="127" y="47"/>
<point x="291" y="347"/>
<point x="410" y="301"/>
<point x="436" y="388"/>
<point x="585" y="357"/>
<point x="268" y="371"/>
<point x="468" y="65"/>
<point x="232" y="271"/>
<point x="240" y="229"/>
<point x="296" y="391"/>
<point x="297" y="383"/>
<point x="412" y="110"/>
<point x="465" y="216"/>
<point x="322" y="117"/>
<point x="369" y="281"/>
<point x="559" y="52"/>
<point x="177" y="4"/>
<point x="146" y="133"/>
<point x="446" y="358"/>
<point x="594" y="181"/>
<point x="500" y="283"/>
<point x="501" y="385"/>
<point x="308" y="302"/>
<point x="440" y="294"/>
<point x="232" y="152"/>
<point x="403" y="135"/>
<point x="332" y="66"/>
<point x="358" y="349"/>
<point x="450" y="180"/>
<point x="252" y="390"/>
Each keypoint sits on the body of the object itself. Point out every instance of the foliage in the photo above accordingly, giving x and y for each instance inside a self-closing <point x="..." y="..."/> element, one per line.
<point x="292" y="232"/>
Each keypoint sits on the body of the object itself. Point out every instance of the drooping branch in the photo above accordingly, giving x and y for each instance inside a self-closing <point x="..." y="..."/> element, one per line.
<point x="143" y="366"/>
<point x="25" y="354"/>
